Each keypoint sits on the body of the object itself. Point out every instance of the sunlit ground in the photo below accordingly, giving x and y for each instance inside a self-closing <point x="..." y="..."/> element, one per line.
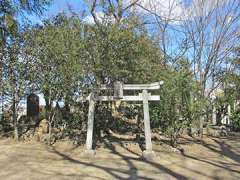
<point x="213" y="158"/>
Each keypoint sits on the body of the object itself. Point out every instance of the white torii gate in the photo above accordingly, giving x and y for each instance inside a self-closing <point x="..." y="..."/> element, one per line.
<point x="118" y="95"/>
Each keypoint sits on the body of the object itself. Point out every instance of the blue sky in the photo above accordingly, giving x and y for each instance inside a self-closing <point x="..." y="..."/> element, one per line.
<point x="62" y="5"/>
<point x="58" y="6"/>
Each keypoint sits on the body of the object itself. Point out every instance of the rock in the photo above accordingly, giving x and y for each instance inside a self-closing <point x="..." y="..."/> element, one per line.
<point x="149" y="155"/>
<point x="43" y="126"/>
<point x="41" y="133"/>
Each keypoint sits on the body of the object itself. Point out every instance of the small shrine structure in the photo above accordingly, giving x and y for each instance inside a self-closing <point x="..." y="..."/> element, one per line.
<point x="118" y="89"/>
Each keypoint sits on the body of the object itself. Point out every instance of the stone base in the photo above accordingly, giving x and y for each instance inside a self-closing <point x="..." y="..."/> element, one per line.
<point x="89" y="153"/>
<point x="149" y="155"/>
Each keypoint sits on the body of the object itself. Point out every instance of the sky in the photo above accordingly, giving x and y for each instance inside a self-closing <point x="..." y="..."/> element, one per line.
<point x="58" y="6"/>
<point x="176" y="8"/>
<point x="63" y="5"/>
<point x="78" y="6"/>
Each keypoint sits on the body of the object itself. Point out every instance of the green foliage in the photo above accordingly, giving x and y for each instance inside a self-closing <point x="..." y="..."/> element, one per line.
<point x="57" y="49"/>
<point x="119" y="53"/>
<point x="178" y="107"/>
<point x="232" y="87"/>
<point x="66" y="56"/>
<point x="235" y="117"/>
<point x="230" y="95"/>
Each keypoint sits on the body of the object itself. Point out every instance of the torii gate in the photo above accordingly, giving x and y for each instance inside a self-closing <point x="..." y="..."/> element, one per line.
<point x="119" y="87"/>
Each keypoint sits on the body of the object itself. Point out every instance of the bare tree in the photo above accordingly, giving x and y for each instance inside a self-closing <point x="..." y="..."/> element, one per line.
<point x="203" y="31"/>
<point x="165" y="17"/>
<point x="211" y="29"/>
<point x="114" y="9"/>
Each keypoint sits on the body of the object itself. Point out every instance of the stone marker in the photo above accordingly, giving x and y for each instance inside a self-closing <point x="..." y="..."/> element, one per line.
<point x="33" y="107"/>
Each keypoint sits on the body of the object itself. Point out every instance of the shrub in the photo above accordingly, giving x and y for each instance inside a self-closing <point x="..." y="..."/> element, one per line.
<point x="178" y="107"/>
<point x="236" y="120"/>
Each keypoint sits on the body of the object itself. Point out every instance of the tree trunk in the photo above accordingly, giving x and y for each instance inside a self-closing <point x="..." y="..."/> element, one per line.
<point x="49" y="115"/>
<point x="201" y="119"/>
<point x="48" y="104"/>
<point x="49" y="133"/>
<point x="51" y="120"/>
<point x="2" y="101"/>
<point x="174" y="138"/>
<point x="14" y="117"/>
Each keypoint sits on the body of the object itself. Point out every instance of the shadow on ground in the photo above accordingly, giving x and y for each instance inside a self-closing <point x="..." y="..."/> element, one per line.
<point x="221" y="148"/>
<point x="212" y="158"/>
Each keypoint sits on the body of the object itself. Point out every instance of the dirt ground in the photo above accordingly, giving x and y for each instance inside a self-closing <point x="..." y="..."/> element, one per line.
<point x="213" y="158"/>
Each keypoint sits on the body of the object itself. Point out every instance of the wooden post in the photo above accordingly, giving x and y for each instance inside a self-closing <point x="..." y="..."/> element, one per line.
<point x="214" y="115"/>
<point x="201" y="126"/>
<point x="228" y="114"/>
<point x="118" y="90"/>
<point x="147" y="129"/>
<point x="90" y="122"/>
